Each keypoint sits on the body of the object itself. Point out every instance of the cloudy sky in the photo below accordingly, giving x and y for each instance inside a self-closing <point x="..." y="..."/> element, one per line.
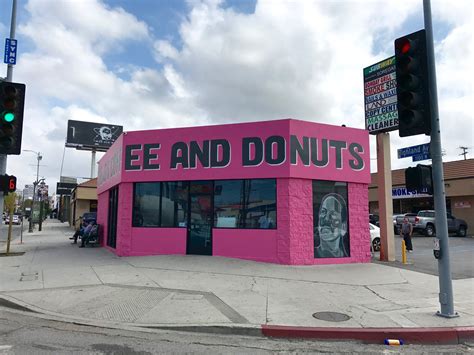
<point x="150" y="64"/>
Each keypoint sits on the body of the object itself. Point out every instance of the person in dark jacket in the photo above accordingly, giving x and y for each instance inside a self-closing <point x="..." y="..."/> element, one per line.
<point x="406" y="231"/>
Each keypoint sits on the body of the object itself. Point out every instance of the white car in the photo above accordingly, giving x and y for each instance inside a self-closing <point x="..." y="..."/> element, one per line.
<point x="374" y="237"/>
<point x="15" y="220"/>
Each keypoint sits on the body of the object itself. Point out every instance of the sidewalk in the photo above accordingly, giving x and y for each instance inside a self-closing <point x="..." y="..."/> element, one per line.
<point x="201" y="293"/>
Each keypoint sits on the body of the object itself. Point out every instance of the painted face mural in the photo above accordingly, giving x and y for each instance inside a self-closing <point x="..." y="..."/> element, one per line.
<point x="332" y="227"/>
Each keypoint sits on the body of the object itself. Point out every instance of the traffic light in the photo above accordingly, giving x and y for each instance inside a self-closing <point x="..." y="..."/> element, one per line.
<point x="413" y="89"/>
<point x="12" y="102"/>
<point x="419" y="179"/>
<point x="7" y="183"/>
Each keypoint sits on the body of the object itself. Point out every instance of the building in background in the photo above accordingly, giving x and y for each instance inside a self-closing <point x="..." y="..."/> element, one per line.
<point x="458" y="184"/>
<point x="83" y="199"/>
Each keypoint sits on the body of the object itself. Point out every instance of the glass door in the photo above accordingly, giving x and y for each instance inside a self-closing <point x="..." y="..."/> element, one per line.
<point x="200" y="218"/>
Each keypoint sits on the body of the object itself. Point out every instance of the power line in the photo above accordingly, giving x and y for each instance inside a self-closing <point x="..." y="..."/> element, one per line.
<point x="464" y="151"/>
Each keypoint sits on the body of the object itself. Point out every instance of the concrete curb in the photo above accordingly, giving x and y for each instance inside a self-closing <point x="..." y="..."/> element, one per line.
<point x="445" y="335"/>
<point x="454" y="335"/>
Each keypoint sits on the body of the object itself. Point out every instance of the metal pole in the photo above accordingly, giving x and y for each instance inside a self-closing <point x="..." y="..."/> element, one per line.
<point x="3" y="157"/>
<point x="441" y="222"/>
<point x="30" y="227"/>
<point x="23" y="215"/>
<point x="93" y="164"/>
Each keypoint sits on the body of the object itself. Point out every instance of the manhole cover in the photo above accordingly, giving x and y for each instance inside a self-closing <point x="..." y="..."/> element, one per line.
<point x="331" y="316"/>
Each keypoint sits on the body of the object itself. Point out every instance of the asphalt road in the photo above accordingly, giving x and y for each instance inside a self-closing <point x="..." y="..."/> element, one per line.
<point x="24" y="333"/>
<point x="461" y="252"/>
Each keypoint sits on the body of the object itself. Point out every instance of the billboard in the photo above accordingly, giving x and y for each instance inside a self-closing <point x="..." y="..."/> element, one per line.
<point x="91" y="136"/>
<point x="65" y="188"/>
<point x="380" y="97"/>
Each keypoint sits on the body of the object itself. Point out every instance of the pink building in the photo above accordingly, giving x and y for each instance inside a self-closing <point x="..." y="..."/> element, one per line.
<point x="286" y="191"/>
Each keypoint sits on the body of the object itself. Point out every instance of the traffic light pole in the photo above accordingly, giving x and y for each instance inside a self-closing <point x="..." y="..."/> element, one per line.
<point x="3" y="157"/>
<point x="444" y="266"/>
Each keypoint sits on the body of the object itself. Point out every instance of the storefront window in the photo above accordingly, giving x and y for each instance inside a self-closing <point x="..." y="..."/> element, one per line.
<point x="146" y="204"/>
<point x="331" y="219"/>
<point x="245" y="204"/>
<point x="228" y="199"/>
<point x="260" y="203"/>
<point x="174" y="202"/>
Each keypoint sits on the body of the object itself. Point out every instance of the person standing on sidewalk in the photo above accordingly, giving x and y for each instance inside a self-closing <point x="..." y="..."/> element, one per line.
<point x="406" y="231"/>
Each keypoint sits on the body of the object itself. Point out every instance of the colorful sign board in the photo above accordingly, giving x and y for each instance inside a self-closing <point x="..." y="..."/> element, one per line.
<point x="380" y="97"/>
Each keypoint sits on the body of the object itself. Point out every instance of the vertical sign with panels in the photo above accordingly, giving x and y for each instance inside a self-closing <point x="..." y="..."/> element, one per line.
<point x="380" y="97"/>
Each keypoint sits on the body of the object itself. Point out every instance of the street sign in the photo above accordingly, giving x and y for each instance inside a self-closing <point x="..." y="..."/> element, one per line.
<point x="421" y="157"/>
<point x="422" y="149"/>
<point x="10" y="51"/>
<point x="380" y="97"/>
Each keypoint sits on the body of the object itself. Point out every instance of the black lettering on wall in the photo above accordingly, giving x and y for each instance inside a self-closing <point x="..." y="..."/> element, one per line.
<point x="357" y="163"/>
<point x="319" y="158"/>
<point x="280" y="156"/>
<point x="225" y="146"/>
<point x="339" y="146"/>
<point x="246" y="158"/>
<point x="201" y="154"/>
<point x="176" y="158"/>
<point x="130" y="158"/>
<point x="297" y="149"/>
<point x="148" y="155"/>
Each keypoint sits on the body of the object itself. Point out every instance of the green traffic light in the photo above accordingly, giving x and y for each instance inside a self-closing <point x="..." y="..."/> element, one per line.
<point x="9" y="117"/>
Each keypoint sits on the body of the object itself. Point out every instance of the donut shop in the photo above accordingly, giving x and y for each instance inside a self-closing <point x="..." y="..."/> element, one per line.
<point x="286" y="191"/>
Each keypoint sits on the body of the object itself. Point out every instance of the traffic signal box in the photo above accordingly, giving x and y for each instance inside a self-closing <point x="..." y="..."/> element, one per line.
<point x="7" y="183"/>
<point x="413" y="95"/>
<point x="419" y="179"/>
<point x="12" y="103"/>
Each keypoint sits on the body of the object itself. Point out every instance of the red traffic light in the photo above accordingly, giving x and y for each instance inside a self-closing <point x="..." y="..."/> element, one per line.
<point x="405" y="47"/>
<point x="7" y="183"/>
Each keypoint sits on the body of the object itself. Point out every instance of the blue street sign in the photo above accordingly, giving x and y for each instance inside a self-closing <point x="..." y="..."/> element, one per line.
<point x="421" y="149"/>
<point x="420" y="157"/>
<point x="10" y="51"/>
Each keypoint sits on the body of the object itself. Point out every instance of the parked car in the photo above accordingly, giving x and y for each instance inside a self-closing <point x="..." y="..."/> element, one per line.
<point x="15" y="219"/>
<point x="425" y="223"/>
<point x="374" y="237"/>
<point x="374" y="219"/>
<point x="89" y="217"/>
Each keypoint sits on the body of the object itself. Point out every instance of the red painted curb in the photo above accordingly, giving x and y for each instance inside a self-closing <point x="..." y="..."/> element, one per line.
<point x="375" y="335"/>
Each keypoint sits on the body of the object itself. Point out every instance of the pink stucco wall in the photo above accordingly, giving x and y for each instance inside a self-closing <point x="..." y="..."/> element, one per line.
<point x="102" y="213"/>
<point x="295" y="224"/>
<point x="158" y="241"/>
<point x="250" y="244"/>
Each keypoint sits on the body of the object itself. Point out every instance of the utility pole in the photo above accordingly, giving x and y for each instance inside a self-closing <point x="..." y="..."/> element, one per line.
<point x="38" y="157"/>
<point x="9" y="78"/>
<point x="464" y="151"/>
<point x="441" y="223"/>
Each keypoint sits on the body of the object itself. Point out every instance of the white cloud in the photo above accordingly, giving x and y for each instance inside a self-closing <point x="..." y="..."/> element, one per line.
<point x="300" y="59"/>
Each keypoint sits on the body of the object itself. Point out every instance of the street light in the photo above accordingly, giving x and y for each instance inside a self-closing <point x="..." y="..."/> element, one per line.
<point x="38" y="157"/>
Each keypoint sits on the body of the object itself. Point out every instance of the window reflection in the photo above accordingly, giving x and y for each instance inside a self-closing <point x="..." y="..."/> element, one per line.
<point x="146" y="204"/>
<point x="174" y="202"/>
<point x="245" y="204"/>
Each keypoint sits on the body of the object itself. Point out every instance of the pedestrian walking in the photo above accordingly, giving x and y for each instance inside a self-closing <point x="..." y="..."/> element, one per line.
<point x="406" y="231"/>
